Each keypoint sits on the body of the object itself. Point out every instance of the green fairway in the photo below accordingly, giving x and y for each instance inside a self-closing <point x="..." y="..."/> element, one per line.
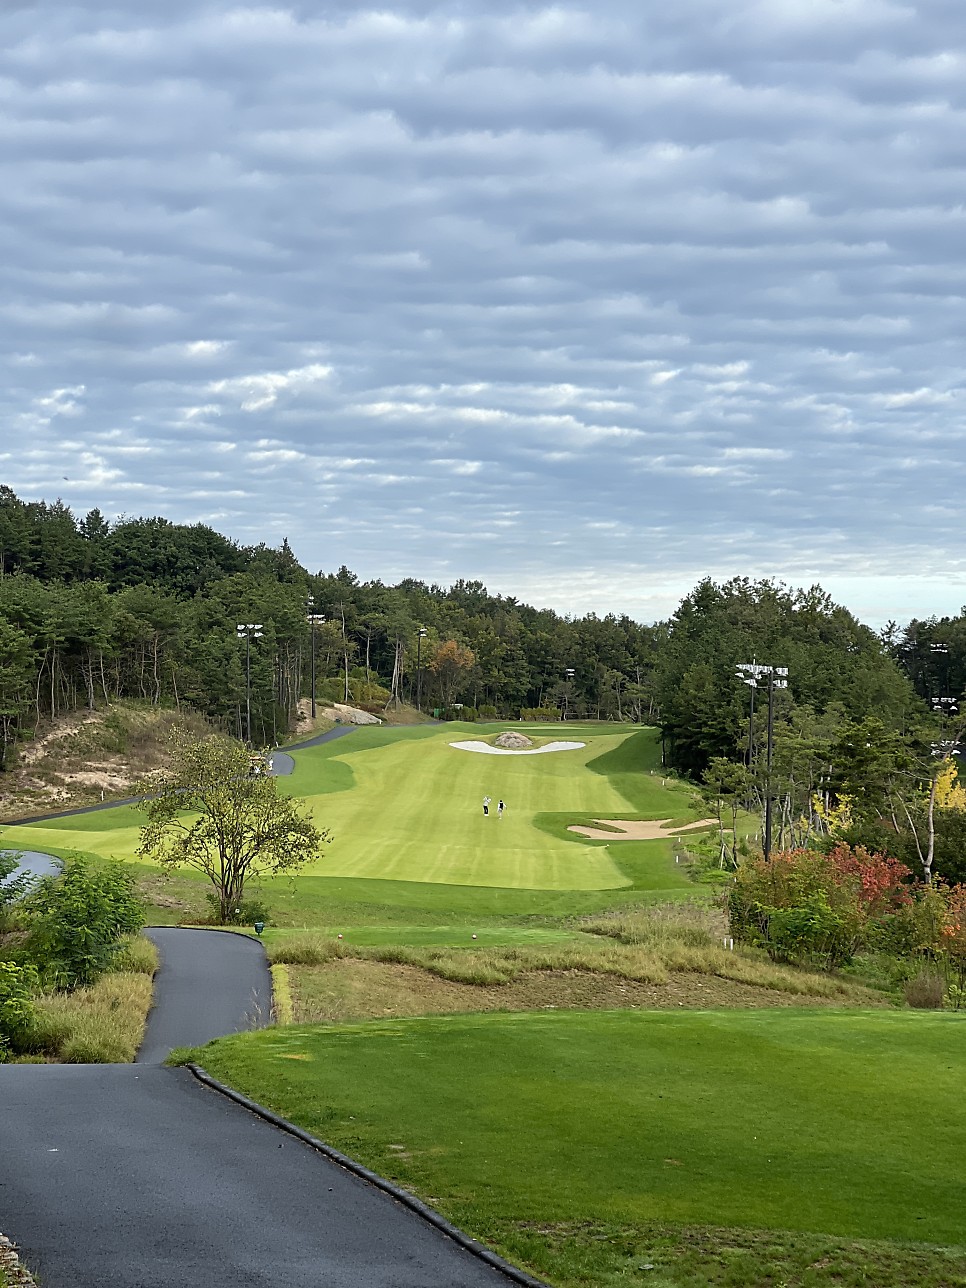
<point x="844" y="1123"/>
<point x="404" y="806"/>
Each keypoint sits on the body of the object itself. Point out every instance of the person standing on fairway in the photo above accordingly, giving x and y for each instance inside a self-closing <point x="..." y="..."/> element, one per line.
<point x="486" y="804"/>
<point x="500" y="808"/>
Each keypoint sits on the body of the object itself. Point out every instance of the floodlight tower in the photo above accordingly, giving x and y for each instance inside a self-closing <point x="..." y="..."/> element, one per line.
<point x="248" y="631"/>
<point x="420" y="636"/>
<point x="749" y="673"/>
<point x="569" y="673"/>
<point x="313" y="619"/>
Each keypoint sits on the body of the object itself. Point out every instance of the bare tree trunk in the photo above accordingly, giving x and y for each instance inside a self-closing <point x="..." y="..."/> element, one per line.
<point x="154" y="663"/>
<point x="345" y="651"/>
<point x="100" y="655"/>
<point x="927" y="869"/>
<point x="88" y="674"/>
<point x="396" y="673"/>
<point x="931" y="845"/>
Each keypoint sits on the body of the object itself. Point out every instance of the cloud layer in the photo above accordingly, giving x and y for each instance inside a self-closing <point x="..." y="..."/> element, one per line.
<point x="583" y="301"/>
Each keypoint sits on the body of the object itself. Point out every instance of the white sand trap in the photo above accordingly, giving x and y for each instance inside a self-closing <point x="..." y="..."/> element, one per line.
<point x="649" y="830"/>
<point x="522" y="751"/>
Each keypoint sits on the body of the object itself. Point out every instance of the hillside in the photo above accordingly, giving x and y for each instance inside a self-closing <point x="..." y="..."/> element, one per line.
<point x="88" y="757"/>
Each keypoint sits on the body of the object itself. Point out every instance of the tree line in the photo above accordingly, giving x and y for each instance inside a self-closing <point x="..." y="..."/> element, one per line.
<point x="91" y="611"/>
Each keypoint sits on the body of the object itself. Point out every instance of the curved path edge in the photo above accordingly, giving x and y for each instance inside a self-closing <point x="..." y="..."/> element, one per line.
<point x="379" y="1182"/>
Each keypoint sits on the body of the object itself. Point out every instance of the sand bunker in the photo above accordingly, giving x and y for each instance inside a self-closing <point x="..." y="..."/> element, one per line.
<point x="507" y="751"/>
<point x="649" y="830"/>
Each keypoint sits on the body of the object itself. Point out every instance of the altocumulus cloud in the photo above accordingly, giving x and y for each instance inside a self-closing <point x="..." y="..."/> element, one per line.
<point x="585" y="301"/>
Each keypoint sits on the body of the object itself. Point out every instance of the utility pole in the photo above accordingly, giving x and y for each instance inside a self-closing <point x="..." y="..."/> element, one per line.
<point x="314" y="619"/>
<point x="420" y="636"/>
<point x="749" y="673"/>
<point x="248" y="631"/>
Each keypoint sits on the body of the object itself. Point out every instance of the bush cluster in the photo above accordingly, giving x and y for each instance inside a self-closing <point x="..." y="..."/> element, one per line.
<point x="246" y="913"/>
<point x="806" y="907"/>
<point x="63" y="933"/>
<point x="812" y="908"/>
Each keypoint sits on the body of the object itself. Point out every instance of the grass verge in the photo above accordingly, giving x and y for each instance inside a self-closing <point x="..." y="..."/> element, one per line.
<point x="589" y="1144"/>
<point x="103" y="1024"/>
<point x="284" y="1011"/>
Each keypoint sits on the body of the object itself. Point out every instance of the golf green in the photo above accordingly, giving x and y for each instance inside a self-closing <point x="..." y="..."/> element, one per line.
<point x="405" y="805"/>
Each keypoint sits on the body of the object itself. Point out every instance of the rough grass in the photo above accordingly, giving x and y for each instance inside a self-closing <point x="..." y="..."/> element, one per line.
<point x="645" y="945"/>
<point x="620" y="1255"/>
<point x="103" y="1024"/>
<point x="282" y="1004"/>
<point x="349" y="990"/>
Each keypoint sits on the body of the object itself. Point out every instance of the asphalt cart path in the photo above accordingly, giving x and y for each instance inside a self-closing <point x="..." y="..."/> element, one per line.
<point x="209" y="983"/>
<point x="138" y="1176"/>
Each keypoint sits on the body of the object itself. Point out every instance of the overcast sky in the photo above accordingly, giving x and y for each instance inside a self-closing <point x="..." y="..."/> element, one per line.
<point x="586" y="302"/>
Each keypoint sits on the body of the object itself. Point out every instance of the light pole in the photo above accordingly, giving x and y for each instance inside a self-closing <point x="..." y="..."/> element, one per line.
<point x="314" y="619"/>
<point x="248" y="631"/>
<point x="569" y="673"/>
<point x="943" y="704"/>
<point x="420" y="636"/>
<point x="749" y="673"/>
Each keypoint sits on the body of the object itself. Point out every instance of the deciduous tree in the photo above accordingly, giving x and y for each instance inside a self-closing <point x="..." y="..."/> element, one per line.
<point x="210" y="812"/>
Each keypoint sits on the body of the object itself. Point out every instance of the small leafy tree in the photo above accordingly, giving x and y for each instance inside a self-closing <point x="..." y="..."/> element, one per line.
<point x="450" y="663"/>
<point x="78" y="920"/>
<point x="953" y="941"/>
<point x="726" y="786"/>
<point x="210" y="812"/>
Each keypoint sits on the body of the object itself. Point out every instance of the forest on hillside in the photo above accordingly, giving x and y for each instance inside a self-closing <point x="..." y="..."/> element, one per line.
<point x="143" y="608"/>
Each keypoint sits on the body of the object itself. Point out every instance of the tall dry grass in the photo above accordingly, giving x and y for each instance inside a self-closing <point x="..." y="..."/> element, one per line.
<point x="103" y="1024"/>
<point x="646" y="945"/>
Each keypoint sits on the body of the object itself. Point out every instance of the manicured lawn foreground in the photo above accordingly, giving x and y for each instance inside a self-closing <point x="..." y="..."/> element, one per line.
<point x="851" y="1124"/>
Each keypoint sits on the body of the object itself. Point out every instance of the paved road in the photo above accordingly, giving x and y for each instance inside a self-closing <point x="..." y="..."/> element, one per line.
<point x="133" y="1176"/>
<point x="137" y="1176"/>
<point x="339" y="731"/>
<point x="210" y="983"/>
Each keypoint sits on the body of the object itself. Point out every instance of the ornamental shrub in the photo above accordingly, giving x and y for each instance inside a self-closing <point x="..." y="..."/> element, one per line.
<point x="78" y="920"/>
<point x="18" y="1017"/>
<point x="807" y="906"/>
